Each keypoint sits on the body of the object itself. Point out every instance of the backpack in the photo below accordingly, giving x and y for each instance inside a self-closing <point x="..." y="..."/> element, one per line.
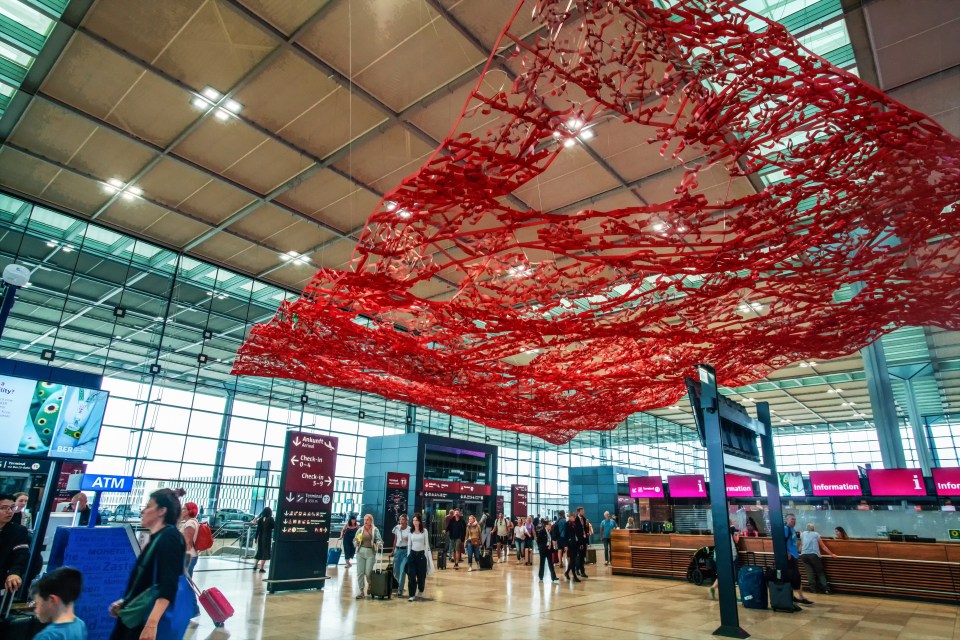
<point x="204" y="538"/>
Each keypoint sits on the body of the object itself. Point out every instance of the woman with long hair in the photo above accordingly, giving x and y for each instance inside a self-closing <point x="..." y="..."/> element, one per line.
<point x="367" y="540"/>
<point x="264" y="536"/>
<point x="153" y="582"/>
<point x="419" y="560"/>
<point x="346" y="537"/>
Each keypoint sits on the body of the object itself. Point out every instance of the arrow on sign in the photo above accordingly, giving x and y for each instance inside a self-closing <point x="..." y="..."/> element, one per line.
<point x="294" y="461"/>
<point x="328" y="481"/>
<point x="290" y="497"/>
<point x="296" y="441"/>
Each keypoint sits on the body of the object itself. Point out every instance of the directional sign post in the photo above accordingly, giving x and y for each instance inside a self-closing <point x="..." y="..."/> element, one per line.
<point x="303" y="512"/>
<point x="519" y="500"/>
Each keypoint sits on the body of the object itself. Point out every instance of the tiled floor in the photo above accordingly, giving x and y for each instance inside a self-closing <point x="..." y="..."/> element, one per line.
<point x="509" y="602"/>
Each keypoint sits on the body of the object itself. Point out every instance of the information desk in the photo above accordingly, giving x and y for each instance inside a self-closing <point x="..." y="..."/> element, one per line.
<point x="916" y="570"/>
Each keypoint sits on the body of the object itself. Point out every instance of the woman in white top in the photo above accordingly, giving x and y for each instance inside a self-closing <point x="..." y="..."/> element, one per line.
<point x="401" y="539"/>
<point x="519" y="537"/>
<point x="419" y="560"/>
<point x="189" y="527"/>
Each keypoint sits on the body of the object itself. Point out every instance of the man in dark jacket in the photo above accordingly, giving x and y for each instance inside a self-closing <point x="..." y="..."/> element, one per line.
<point x="583" y="535"/>
<point x="546" y="543"/>
<point x="573" y="546"/>
<point x="456" y="531"/>
<point x="14" y="546"/>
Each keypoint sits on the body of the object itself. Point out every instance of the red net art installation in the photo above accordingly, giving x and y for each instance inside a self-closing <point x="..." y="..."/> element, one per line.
<point x="556" y="322"/>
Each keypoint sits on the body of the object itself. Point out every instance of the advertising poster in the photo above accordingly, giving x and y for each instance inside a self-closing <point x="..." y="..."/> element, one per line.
<point x="48" y="419"/>
<point x="791" y="484"/>
<point x="398" y="487"/>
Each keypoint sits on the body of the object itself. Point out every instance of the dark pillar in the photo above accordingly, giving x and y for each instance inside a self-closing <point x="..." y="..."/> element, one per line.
<point x="214" y="496"/>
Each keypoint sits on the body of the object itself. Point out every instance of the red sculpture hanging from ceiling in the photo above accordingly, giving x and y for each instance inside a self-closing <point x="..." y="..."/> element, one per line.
<point x="554" y="322"/>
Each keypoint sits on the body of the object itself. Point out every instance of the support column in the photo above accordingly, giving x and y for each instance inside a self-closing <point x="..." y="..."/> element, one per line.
<point x="213" y="498"/>
<point x="881" y="402"/>
<point x="411" y="421"/>
<point x="924" y="456"/>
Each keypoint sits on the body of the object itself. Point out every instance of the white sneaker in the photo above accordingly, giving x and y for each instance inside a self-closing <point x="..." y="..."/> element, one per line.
<point x="470" y="569"/>
<point x="411" y="598"/>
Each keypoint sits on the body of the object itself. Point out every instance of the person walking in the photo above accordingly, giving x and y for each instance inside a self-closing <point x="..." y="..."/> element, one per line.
<point x="734" y="540"/>
<point x="519" y="539"/>
<point x="264" y="536"/>
<point x="419" y="560"/>
<point x="401" y="542"/>
<point x="347" y="534"/>
<point x="367" y="541"/>
<point x="500" y="536"/>
<point x="546" y="543"/>
<point x="583" y="535"/>
<point x="561" y="530"/>
<point x="189" y="527"/>
<point x="811" y="546"/>
<point x="607" y="525"/>
<point x="153" y="582"/>
<point x="573" y="546"/>
<point x="474" y="538"/>
<point x="456" y="530"/>
<point x="528" y="541"/>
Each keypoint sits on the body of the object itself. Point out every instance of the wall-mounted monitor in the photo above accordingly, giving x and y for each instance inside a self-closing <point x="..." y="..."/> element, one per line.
<point x="896" y="482"/>
<point x="645" y="487"/>
<point x="50" y="420"/>
<point x="791" y="484"/>
<point x="843" y="482"/>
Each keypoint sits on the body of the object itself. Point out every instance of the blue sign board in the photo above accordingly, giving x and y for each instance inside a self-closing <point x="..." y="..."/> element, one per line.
<point x="98" y="482"/>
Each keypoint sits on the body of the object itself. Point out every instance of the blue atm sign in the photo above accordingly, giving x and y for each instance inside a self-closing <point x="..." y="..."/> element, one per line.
<point x="96" y="482"/>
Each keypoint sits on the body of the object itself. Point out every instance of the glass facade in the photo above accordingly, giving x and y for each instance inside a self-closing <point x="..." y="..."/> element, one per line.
<point x="162" y="329"/>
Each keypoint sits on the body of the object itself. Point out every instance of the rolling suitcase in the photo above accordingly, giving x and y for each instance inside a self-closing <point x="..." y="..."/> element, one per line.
<point x="753" y="587"/>
<point x="213" y="602"/>
<point x="781" y="593"/>
<point x="381" y="580"/>
<point x="441" y="559"/>
<point x="591" y="557"/>
<point x="333" y="555"/>
<point x="486" y="560"/>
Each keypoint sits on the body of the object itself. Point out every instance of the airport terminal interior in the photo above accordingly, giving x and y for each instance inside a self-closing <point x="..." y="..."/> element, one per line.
<point x="478" y="250"/>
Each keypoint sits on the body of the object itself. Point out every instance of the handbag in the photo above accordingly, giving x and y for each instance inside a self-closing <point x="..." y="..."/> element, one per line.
<point x="135" y="611"/>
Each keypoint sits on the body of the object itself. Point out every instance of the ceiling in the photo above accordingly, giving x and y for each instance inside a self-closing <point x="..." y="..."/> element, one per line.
<point x="259" y="135"/>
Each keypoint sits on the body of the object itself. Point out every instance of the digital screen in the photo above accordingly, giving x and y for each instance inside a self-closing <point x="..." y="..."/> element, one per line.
<point x="896" y="482"/>
<point x="645" y="487"/>
<point x="791" y="484"/>
<point x="687" y="486"/>
<point x="835" y="483"/>
<point x="947" y="481"/>
<point x="50" y="420"/>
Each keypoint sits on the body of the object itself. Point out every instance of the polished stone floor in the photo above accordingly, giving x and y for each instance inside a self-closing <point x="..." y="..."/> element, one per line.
<point x="509" y="602"/>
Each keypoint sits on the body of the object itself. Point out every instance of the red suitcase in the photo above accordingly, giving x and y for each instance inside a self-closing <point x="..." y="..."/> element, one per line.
<point x="214" y="603"/>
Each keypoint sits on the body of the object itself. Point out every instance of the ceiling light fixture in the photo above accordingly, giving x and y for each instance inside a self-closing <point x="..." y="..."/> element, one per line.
<point x="295" y="257"/>
<point x="569" y="142"/>
<point x="66" y="248"/>
<point x="221" y="115"/>
<point x="659" y="226"/>
<point x="211" y="93"/>
<point x="232" y="106"/>
<point x="390" y="205"/>
<point x="586" y="134"/>
<point x="51" y="243"/>
<point x="403" y="213"/>
<point x="199" y="103"/>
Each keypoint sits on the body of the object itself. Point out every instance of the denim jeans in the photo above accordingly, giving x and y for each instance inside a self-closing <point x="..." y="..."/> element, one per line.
<point x="473" y="551"/>
<point x="400" y="567"/>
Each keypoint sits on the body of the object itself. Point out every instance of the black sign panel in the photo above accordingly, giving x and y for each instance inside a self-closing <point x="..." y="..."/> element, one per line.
<point x="303" y="512"/>
<point x="26" y="465"/>
<point x="398" y="485"/>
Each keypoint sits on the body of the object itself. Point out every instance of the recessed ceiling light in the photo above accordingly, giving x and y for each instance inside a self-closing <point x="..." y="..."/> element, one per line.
<point x="137" y="191"/>
<point x="574" y="124"/>
<point x="390" y="205"/>
<point x="659" y="226"/>
<point x="586" y="134"/>
<point x="127" y="196"/>
<point x="113" y="182"/>
<point x="67" y="248"/>
<point x="569" y="142"/>
<point x="682" y="229"/>
<point x="51" y="243"/>
<point x="403" y="213"/>
<point x="199" y="103"/>
<point x="221" y="115"/>
<point x="232" y="106"/>
<point x="211" y="93"/>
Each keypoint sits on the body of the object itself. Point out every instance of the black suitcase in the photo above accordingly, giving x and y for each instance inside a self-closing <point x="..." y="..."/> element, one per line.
<point x="381" y="584"/>
<point x="591" y="557"/>
<point x="441" y="559"/>
<point x="781" y="593"/>
<point x="486" y="560"/>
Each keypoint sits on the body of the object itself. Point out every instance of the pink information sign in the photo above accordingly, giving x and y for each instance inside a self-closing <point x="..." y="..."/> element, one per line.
<point x="947" y="481"/>
<point x="645" y="487"/>
<point x="836" y="483"/>
<point x="687" y="486"/>
<point x="738" y="486"/>
<point x="896" y="482"/>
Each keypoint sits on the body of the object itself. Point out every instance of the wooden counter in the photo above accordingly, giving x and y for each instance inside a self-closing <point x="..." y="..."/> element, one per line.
<point x="927" y="571"/>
